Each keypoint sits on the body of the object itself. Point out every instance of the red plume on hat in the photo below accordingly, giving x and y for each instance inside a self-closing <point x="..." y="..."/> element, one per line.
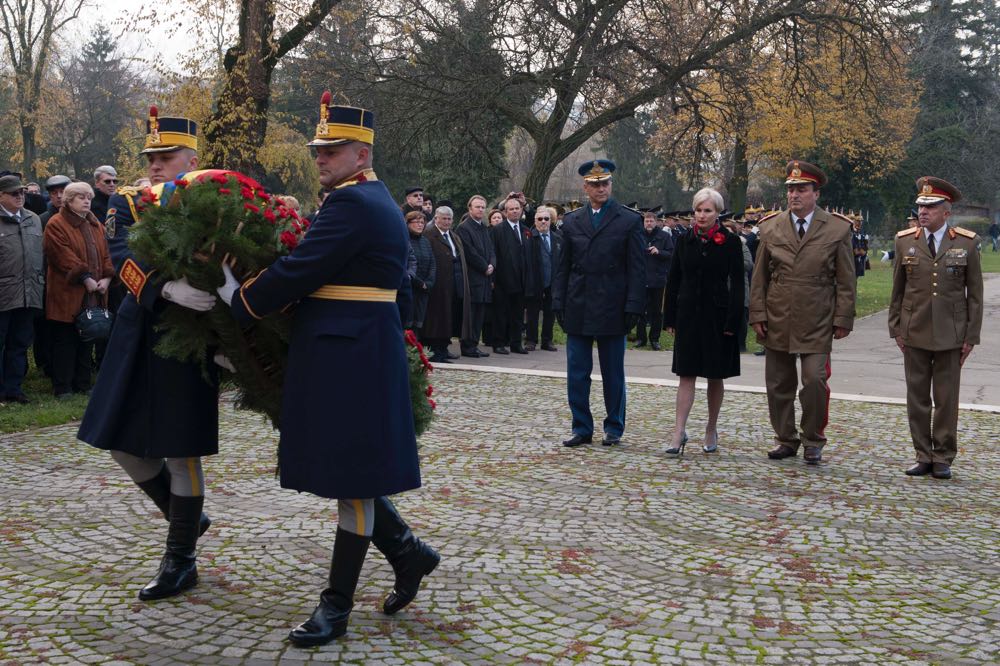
<point x="153" y="111"/>
<point x="325" y="99"/>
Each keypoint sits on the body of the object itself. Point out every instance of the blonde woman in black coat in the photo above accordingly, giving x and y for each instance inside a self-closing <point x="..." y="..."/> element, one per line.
<point x="704" y="309"/>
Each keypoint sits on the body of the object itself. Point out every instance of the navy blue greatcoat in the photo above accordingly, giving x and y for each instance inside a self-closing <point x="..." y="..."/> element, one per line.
<point x="601" y="273"/>
<point x="144" y="404"/>
<point x="346" y="420"/>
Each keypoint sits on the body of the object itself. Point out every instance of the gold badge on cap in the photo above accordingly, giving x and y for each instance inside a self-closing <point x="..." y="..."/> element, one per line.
<point x="323" y="128"/>
<point x="154" y="126"/>
<point x="796" y="171"/>
<point x="927" y="189"/>
<point x="597" y="169"/>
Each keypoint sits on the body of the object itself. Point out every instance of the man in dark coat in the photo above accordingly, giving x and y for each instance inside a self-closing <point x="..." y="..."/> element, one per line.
<point x="157" y="416"/>
<point x="659" y="246"/>
<point x="446" y="312"/>
<point x="598" y="295"/>
<point x="512" y="243"/>
<point x="546" y="250"/>
<point x="105" y="184"/>
<point x="481" y="261"/>
<point x="347" y="366"/>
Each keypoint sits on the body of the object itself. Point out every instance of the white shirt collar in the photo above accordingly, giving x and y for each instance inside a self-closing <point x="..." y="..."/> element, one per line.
<point x="15" y="214"/>
<point x="939" y="235"/>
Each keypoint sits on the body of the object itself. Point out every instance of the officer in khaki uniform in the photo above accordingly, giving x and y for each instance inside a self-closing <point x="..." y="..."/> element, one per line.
<point x="801" y="297"/>
<point x="935" y="316"/>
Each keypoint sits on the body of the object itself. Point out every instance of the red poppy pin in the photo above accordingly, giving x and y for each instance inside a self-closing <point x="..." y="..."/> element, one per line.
<point x="718" y="238"/>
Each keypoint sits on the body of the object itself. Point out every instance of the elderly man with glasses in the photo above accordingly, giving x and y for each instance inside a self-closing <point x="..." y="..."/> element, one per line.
<point x="546" y="251"/>
<point x="105" y="185"/>
<point x="21" y="291"/>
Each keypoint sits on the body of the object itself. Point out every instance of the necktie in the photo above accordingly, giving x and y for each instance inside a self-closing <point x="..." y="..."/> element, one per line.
<point x="802" y="228"/>
<point x="930" y="245"/>
<point x="447" y="239"/>
<point x="517" y="232"/>
<point x="548" y="248"/>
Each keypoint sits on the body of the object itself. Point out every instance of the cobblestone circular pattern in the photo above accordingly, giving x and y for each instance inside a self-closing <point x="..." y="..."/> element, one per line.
<point x="550" y="555"/>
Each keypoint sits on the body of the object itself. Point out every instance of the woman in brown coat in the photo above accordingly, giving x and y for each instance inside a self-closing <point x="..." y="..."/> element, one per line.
<point x="79" y="267"/>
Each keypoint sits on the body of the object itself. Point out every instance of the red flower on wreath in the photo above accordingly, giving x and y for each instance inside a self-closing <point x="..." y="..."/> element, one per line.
<point x="718" y="238"/>
<point x="432" y="403"/>
<point x="269" y="216"/>
<point x="429" y="391"/>
<point x="247" y="193"/>
<point x="225" y="190"/>
<point x="181" y="183"/>
<point x="289" y="240"/>
<point x="220" y="178"/>
<point x="251" y="207"/>
<point x="410" y="337"/>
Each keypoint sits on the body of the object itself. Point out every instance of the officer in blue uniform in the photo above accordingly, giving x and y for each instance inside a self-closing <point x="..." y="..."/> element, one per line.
<point x="346" y="422"/>
<point x="598" y="294"/>
<point x="156" y="416"/>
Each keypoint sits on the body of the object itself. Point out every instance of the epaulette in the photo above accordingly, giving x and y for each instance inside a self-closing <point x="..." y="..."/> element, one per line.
<point x="907" y="232"/>
<point x="842" y="216"/>
<point x="964" y="232"/>
<point x="768" y="217"/>
<point x="128" y="191"/>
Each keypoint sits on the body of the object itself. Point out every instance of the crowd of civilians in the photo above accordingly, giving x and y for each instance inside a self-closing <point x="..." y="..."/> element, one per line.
<point x="484" y="275"/>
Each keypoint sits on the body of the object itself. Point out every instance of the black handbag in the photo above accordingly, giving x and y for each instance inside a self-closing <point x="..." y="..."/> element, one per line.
<point x="94" y="321"/>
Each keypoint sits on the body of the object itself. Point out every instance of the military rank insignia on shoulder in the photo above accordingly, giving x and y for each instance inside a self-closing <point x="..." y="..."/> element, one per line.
<point x="769" y="216"/>
<point x="842" y="217"/>
<point x="128" y="191"/>
<point x="109" y="223"/>
<point x="907" y="232"/>
<point x="964" y="232"/>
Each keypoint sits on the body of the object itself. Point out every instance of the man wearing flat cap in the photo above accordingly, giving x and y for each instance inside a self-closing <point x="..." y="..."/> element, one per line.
<point x="346" y="426"/>
<point x="801" y="298"/>
<point x="598" y="295"/>
<point x="935" y="316"/>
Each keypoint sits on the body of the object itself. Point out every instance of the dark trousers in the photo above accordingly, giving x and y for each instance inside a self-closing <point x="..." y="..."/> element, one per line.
<point x="543" y="305"/>
<point x="41" y="347"/>
<point x="71" y="359"/>
<point x="579" y="364"/>
<point x="652" y="316"/>
<point x="477" y="314"/>
<point x="17" y="329"/>
<point x="508" y="319"/>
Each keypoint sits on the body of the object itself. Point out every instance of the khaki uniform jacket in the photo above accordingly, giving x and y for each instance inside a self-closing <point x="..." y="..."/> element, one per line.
<point x="937" y="302"/>
<point x="802" y="289"/>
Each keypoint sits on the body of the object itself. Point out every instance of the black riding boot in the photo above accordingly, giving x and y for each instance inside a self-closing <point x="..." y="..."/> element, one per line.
<point x="329" y="620"/>
<point x="411" y="558"/>
<point x="178" y="570"/>
<point x="158" y="490"/>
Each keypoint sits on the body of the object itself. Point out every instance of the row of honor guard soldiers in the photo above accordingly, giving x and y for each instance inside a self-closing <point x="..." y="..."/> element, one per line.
<point x="158" y="417"/>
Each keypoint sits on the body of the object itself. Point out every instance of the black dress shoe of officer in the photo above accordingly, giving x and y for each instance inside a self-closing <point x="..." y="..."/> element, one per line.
<point x="941" y="471"/>
<point x="548" y="346"/>
<point x="501" y="350"/>
<point x="178" y="570"/>
<point x="329" y="620"/>
<point x="920" y="469"/>
<point x="519" y="350"/>
<point x="578" y="440"/>
<point x="812" y="455"/>
<point x="411" y="559"/>
<point x="611" y="440"/>
<point x="158" y="490"/>
<point x="781" y="452"/>
<point x="439" y="358"/>
<point x="655" y="346"/>
<point x="759" y="352"/>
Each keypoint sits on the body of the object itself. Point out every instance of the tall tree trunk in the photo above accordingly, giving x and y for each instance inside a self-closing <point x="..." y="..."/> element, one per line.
<point x="738" y="183"/>
<point x="29" y="147"/>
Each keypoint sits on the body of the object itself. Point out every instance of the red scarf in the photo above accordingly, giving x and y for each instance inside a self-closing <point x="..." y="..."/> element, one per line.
<point x="705" y="236"/>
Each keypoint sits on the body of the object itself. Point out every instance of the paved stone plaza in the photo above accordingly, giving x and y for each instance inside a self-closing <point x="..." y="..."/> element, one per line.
<point x="550" y="555"/>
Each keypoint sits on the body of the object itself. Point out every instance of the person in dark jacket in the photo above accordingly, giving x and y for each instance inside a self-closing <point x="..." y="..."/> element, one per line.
<point x="105" y="185"/>
<point x="704" y="307"/>
<point x="481" y="261"/>
<point x="424" y="273"/>
<point x="447" y="315"/>
<point x="659" y="246"/>
<point x="597" y="296"/>
<point x="512" y="243"/>
<point x="546" y="250"/>
<point x="22" y="289"/>
<point x="54" y="186"/>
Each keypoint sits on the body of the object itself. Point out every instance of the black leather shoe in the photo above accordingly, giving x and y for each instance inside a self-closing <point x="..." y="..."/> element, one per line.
<point x="812" y="455"/>
<point x="529" y="347"/>
<point x="941" y="471"/>
<point x="475" y="353"/>
<point x="611" y="440"/>
<point x="158" y="490"/>
<point x="639" y="344"/>
<point x="178" y="570"/>
<point x="439" y="359"/>
<point x="411" y="559"/>
<point x="548" y="346"/>
<point x="655" y="346"/>
<point x="518" y="350"/>
<point x="759" y="352"/>
<point x="329" y="620"/>
<point x="920" y="469"/>
<point x="578" y="440"/>
<point x="782" y="452"/>
<point x="500" y="350"/>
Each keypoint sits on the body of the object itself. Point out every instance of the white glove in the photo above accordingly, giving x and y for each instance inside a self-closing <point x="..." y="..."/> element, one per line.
<point x="183" y="294"/>
<point x="223" y="362"/>
<point x="227" y="290"/>
<point x="885" y="256"/>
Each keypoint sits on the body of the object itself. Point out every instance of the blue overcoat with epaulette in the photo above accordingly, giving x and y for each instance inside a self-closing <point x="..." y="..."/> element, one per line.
<point x="346" y="419"/>
<point x="142" y="403"/>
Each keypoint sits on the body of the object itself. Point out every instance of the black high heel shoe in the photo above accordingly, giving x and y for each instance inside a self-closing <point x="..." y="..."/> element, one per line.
<point x="678" y="450"/>
<point x="711" y="446"/>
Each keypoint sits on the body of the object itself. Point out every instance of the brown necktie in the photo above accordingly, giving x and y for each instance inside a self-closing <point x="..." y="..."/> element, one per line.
<point x="930" y="245"/>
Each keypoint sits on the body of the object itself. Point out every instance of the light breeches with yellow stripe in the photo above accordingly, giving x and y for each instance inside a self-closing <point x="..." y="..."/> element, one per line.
<point x="186" y="476"/>
<point x="356" y="516"/>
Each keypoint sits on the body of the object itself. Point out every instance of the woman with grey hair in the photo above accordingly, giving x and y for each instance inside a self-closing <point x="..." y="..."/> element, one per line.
<point x="704" y="305"/>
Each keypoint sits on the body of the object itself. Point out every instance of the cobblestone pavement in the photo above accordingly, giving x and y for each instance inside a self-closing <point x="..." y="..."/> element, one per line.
<point x="550" y="555"/>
